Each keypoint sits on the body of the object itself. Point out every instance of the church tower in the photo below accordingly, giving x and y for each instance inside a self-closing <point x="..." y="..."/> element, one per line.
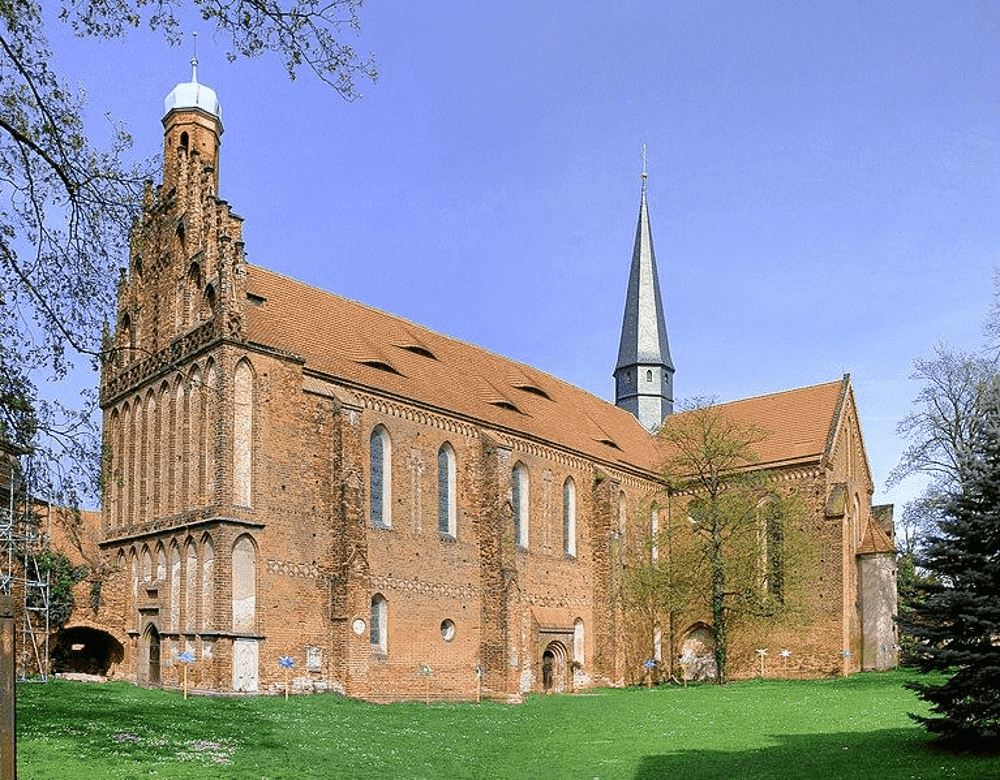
<point x="644" y="374"/>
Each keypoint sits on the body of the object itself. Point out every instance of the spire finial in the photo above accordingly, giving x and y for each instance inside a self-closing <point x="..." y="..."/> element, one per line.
<point x="194" y="58"/>
<point x="644" y="174"/>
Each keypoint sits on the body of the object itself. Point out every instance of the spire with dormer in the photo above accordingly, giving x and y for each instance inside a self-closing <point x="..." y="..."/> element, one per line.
<point x="644" y="374"/>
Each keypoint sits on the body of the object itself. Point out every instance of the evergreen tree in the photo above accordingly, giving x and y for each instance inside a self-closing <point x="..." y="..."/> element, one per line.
<point x="957" y="625"/>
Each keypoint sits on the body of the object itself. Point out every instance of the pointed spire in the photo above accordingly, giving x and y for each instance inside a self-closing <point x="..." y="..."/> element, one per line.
<point x="644" y="372"/>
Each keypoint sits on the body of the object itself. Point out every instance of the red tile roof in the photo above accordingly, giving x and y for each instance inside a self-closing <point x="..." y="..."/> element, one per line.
<point x="366" y="348"/>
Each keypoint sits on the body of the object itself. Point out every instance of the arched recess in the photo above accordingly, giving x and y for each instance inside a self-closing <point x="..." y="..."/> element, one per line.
<point x="175" y="587"/>
<point x="210" y="405"/>
<point x="163" y="453"/>
<point x="112" y="482"/>
<point x="151" y="455"/>
<point x="578" y="642"/>
<point x="161" y="563"/>
<point x="86" y="650"/>
<point x="178" y="475"/>
<point x="190" y="585"/>
<point x="147" y="564"/>
<point x="207" y="583"/>
<point x="196" y="450"/>
<point x="133" y="589"/>
<point x="244" y="584"/>
<point x="243" y="434"/>
<point x="145" y="466"/>
<point x="125" y="453"/>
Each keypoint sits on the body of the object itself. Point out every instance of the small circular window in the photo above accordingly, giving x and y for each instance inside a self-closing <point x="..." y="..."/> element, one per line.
<point x="447" y="629"/>
<point x="359" y="626"/>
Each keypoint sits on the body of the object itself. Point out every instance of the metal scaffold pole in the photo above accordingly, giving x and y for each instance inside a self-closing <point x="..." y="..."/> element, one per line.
<point x="22" y="540"/>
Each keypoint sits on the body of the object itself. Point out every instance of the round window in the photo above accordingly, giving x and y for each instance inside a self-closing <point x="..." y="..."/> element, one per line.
<point x="359" y="627"/>
<point x="447" y="629"/>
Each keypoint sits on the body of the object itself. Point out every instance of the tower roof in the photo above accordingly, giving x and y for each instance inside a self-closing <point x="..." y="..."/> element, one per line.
<point x="644" y="329"/>
<point x="191" y="94"/>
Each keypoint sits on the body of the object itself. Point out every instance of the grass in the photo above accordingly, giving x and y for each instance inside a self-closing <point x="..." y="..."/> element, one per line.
<point x="845" y="728"/>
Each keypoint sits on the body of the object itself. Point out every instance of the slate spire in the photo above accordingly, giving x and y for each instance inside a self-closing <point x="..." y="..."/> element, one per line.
<point x="644" y="374"/>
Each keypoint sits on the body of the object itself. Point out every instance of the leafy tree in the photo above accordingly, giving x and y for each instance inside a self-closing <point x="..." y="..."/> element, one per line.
<point x="941" y="431"/>
<point x="958" y="622"/>
<point x="66" y="207"/>
<point x="742" y="531"/>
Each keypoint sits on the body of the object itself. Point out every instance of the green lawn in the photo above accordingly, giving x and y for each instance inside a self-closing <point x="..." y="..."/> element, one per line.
<point x="844" y="728"/>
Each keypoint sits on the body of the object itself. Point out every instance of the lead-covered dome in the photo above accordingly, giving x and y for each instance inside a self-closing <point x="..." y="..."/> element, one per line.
<point x="191" y="94"/>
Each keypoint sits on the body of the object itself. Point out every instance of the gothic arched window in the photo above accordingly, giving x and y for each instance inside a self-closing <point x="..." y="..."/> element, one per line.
<point x="569" y="517"/>
<point x="447" y="510"/>
<point x="380" y="462"/>
<point x="519" y="496"/>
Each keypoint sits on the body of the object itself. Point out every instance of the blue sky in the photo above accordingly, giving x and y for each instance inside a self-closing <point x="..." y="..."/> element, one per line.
<point x="821" y="180"/>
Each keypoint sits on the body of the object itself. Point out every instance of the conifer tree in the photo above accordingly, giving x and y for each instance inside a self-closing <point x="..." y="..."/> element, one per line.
<point x="957" y="626"/>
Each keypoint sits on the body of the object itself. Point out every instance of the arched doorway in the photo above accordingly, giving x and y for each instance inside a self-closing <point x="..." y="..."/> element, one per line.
<point x="554" y="668"/>
<point x="150" y="673"/>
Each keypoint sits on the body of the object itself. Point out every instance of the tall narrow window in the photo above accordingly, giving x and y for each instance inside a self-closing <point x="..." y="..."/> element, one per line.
<point x="569" y="517"/>
<point x="208" y="431"/>
<point x="380" y="457"/>
<point x="519" y="500"/>
<point x="378" y="623"/>
<point x="446" y="490"/>
<point x="243" y="435"/>
<point x="578" y="641"/>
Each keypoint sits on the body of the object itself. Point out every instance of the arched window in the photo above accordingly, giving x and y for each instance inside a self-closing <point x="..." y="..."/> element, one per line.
<point x="379" y="619"/>
<point x="519" y="496"/>
<point x="191" y="586"/>
<point x="243" y="435"/>
<point x="244" y="584"/>
<point x="447" y="510"/>
<point x="569" y="517"/>
<point x="112" y="487"/>
<point x="380" y="460"/>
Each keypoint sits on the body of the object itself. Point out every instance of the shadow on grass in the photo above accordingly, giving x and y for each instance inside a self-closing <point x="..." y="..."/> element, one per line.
<point x="890" y="754"/>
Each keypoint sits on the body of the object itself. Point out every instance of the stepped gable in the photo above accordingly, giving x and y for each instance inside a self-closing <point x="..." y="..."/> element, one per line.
<point x="365" y="348"/>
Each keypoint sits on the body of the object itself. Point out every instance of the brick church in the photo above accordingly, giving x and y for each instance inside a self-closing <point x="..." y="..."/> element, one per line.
<point x="293" y="474"/>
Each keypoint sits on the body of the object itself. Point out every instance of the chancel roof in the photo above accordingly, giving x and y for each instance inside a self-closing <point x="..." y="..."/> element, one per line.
<point x="798" y="424"/>
<point x="364" y="348"/>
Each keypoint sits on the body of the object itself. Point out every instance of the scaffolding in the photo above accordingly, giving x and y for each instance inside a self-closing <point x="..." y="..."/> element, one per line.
<point x="23" y="537"/>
